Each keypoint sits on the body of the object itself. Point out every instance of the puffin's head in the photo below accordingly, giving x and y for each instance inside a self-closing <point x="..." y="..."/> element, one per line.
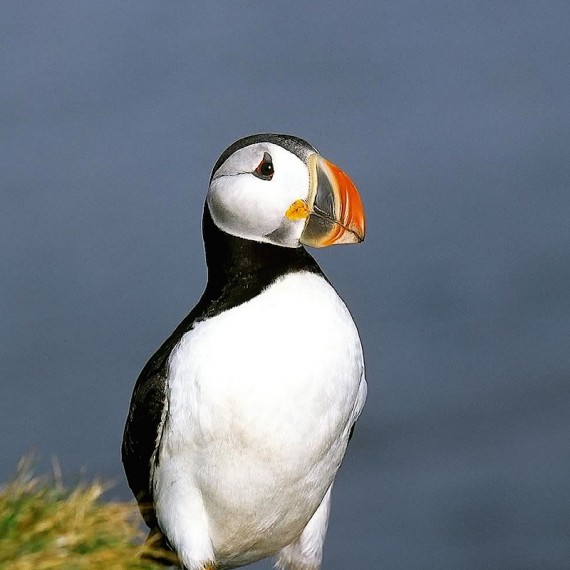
<point x="278" y="189"/>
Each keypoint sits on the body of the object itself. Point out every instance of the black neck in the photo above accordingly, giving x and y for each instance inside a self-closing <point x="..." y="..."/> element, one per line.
<point x="239" y="269"/>
<point x="229" y="257"/>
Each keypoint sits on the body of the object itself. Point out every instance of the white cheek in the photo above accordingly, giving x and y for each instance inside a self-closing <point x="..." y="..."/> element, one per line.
<point x="248" y="207"/>
<point x="244" y="205"/>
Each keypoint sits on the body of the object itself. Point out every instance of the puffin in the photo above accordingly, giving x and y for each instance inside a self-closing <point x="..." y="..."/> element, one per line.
<point x="240" y="420"/>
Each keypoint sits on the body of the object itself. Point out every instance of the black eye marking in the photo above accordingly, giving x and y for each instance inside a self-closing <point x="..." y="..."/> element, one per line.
<point x="265" y="169"/>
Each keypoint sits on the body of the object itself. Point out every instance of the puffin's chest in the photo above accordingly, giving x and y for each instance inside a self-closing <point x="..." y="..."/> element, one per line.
<point x="261" y="399"/>
<point x="280" y="368"/>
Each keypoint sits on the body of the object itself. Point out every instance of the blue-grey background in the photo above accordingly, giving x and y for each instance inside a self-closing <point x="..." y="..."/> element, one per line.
<point x="453" y="118"/>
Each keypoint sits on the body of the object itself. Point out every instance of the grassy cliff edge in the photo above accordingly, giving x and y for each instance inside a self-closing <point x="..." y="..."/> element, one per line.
<point x="44" y="526"/>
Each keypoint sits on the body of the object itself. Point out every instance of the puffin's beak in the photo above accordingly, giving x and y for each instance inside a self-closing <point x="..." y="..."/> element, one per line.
<point x="333" y="210"/>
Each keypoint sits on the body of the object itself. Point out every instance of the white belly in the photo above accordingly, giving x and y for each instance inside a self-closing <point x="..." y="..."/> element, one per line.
<point x="261" y="401"/>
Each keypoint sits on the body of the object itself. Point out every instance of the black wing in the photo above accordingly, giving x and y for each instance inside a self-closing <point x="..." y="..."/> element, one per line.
<point x="149" y="408"/>
<point x="143" y="430"/>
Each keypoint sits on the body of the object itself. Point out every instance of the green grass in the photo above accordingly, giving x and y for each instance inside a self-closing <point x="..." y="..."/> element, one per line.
<point x="44" y="526"/>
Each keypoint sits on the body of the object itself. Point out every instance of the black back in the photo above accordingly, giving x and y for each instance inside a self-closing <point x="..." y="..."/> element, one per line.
<point x="238" y="270"/>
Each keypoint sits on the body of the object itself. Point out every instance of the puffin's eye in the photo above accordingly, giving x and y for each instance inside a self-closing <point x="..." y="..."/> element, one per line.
<point x="264" y="169"/>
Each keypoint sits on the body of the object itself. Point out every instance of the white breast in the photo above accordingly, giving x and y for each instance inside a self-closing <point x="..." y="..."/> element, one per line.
<point x="261" y="401"/>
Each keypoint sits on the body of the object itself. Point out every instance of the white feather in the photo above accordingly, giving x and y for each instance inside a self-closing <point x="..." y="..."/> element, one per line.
<point x="261" y="401"/>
